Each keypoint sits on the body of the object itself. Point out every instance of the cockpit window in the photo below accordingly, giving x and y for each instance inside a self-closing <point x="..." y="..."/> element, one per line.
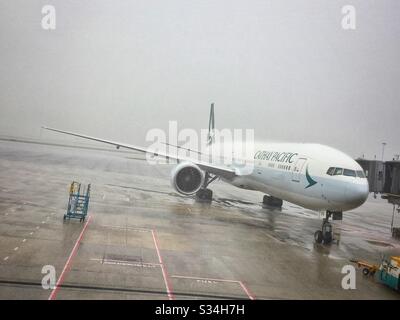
<point x="360" y="174"/>
<point x="330" y="171"/>
<point x="349" y="173"/>
<point x="338" y="171"/>
<point x="333" y="171"/>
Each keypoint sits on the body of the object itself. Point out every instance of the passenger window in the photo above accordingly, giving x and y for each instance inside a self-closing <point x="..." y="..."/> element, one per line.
<point x="330" y="171"/>
<point x="360" y="174"/>
<point x="338" y="171"/>
<point x="349" y="173"/>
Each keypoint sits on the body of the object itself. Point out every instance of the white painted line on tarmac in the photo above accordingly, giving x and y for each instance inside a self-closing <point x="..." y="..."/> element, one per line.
<point x="16" y="248"/>
<point x="24" y="240"/>
<point x="127" y="263"/>
<point x="200" y="278"/>
<point x="126" y="228"/>
<point x="6" y="258"/>
<point x="244" y="288"/>
<point x="43" y="222"/>
<point x="31" y="233"/>
<point x="37" y="227"/>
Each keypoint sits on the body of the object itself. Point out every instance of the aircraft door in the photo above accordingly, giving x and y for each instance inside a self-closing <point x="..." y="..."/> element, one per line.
<point x="297" y="169"/>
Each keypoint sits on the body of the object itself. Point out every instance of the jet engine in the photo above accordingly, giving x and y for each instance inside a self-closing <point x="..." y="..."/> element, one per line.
<point x="187" y="178"/>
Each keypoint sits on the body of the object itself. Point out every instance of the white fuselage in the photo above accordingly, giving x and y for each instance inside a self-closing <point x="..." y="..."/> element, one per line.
<point x="298" y="173"/>
<point x="313" y="176"/>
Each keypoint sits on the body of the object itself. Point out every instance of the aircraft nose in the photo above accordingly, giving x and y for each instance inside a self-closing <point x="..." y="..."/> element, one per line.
<point x="357" y="193"/>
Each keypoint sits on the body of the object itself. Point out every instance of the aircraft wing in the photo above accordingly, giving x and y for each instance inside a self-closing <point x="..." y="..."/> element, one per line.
<point x="219" y="170"/>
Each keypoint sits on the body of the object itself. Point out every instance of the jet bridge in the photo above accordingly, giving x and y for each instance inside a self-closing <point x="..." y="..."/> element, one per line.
<point x="384" y="178"/>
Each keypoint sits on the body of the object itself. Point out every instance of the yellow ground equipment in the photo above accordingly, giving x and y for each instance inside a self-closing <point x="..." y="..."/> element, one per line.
<point x="388" y="272"/>
<point x="368" y="268"/>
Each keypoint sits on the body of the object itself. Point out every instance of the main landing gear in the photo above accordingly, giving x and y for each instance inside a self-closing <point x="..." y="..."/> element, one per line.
<point x="205" y="194"/>
<point x="325" y="235"/>
<point x="270" y="201"/>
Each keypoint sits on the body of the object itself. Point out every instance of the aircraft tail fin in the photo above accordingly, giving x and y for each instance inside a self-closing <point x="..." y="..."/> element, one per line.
<point x="211" y="127"/>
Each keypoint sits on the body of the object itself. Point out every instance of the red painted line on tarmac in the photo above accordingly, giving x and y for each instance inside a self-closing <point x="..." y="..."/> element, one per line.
<point x="68" y="263"/>
<point x="164" y="271"/>
<point x="251" y="297"/>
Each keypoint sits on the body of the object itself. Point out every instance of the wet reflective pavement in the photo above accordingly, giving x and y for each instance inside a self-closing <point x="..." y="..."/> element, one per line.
<point x="145" y="241"/>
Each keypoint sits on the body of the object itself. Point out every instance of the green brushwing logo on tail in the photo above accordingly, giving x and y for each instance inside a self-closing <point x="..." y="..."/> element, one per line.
<point x="310" y="180"/>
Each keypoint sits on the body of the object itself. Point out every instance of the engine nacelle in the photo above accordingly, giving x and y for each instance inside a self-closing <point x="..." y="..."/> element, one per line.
<point x="187" y="178"/>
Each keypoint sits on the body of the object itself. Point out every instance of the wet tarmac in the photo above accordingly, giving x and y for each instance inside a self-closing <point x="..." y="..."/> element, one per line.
<point x="145" y="241"/>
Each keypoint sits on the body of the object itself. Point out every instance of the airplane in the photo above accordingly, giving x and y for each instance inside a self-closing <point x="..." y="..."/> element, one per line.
<point x="313" y="176"/>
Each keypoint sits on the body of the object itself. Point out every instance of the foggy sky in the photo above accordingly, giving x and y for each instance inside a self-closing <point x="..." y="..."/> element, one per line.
<point x="287" y="69"/>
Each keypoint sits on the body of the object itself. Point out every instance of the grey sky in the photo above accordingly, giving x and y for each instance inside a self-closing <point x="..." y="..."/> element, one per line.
<point x="115" y="69"/>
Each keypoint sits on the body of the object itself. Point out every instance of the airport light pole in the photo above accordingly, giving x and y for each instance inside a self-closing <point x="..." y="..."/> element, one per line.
<point x="383" y="149"/>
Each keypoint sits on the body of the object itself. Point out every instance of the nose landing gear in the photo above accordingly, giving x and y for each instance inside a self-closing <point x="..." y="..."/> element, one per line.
<point x="325" y="235"/>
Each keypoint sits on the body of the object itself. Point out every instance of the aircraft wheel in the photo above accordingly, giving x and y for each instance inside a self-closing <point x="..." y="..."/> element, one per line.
<point x="365" y="271"/>
<point x="272" y="201"/>
<point x="204" y="195"/>
<point x="327" y="238"/>
<point x="327" y="232"/>
<point x="318" y="236"/>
